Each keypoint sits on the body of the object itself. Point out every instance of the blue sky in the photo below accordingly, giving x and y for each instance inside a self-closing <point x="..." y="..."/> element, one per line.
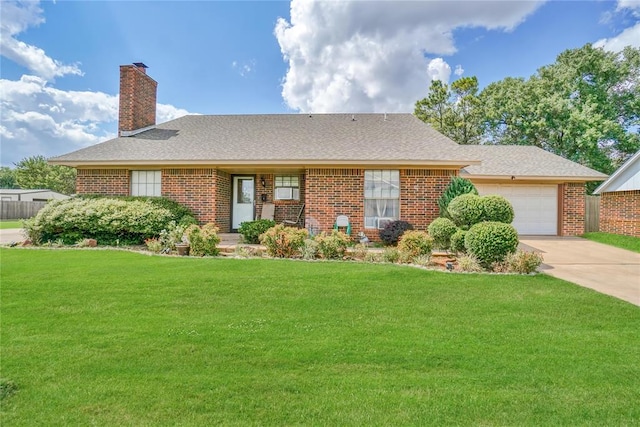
<point x="59" y="61"/>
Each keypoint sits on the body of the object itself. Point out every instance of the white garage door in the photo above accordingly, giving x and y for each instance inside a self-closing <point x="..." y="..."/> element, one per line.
<point x="535" y="206"/>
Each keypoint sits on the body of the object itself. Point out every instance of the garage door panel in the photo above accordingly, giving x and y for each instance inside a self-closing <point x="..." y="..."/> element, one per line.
<point x="535" y="206"/>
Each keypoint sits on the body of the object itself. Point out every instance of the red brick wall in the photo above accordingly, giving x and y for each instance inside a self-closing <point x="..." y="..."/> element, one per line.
<point x="333" y="192"/>
<point x="222" y="213"/>
<point x="419" y="193"/>
<point x="111" y="182"/>
<point x="194" y="188"/>
<point x="285" y="209"/>
<point x="572" y="210"/>
<point x="620" y="212"/>
<point x="137" y="99"/>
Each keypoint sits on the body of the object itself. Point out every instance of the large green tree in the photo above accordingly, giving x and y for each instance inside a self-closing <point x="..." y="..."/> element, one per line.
<point x="35" y="172"/>
<point x="8" y="178"/>
<point x="584" y="107"/>
<point x="453" y="110"/>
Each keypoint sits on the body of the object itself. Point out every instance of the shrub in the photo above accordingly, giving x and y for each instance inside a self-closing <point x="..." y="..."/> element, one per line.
<point x="251" y="230"/>
<point x="391" y="233"/>
<point x="457" y="187"/>
<point x="171" y="236"/>
<point x="466" y="210"/>
<point x="309" y="249"/>
<point x="154" y="245"/>
<point x="441" y="229"/>
<point x="181" y="214"/>
<point x="360" y="251"/>
<point x="491" y="242"/>
<point x="469" y="264"/>
<point x="391" y="255"/>
<point x="203" y="240"/>
<point x="457" y="241"/>
<point x="107" y="220"/>
<point x="373" y="257"/>
<point x="414" y="243"/>
<point x="422" y="260"/>
<point x="332" y="245"/>
<point x="523" y="262"/>
<point x="497" y="208"/>
<point x="283" y="242"/>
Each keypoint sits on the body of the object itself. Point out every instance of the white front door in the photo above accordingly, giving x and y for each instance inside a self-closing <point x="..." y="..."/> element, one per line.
<point x="242" y="203"/>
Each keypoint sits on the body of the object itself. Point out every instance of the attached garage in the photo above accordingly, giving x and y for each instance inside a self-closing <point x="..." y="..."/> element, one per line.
<point x="535" y="206"/>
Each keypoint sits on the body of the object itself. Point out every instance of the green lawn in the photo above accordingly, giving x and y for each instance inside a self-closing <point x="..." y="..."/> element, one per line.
<point x="629" y="243"/>
<point x="100" y="337"/>
<point x="10" y="223"/>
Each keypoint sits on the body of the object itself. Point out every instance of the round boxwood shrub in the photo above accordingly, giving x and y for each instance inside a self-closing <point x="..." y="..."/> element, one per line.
<point x="456" y="187"/>
<point x="391" y="233"/>
<point x="457" y="241"/>
<point x="466" y="210"/>
<point x="491" y="242"/>
<point x="497" y="208"/>
<point x="441" y="230"/>
<point x="251" y="230"/>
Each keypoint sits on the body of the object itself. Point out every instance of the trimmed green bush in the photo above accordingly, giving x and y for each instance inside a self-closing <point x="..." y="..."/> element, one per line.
<point x="203" y="240"/>
<point x="497" y="208"/>
<point x="332" y="245"/>
<point x="107" y="220"/>
<point x="181" y="214"/>
<point x="457" y="187"/>
<point x="441" y="229"/>
<point x="251" y="230"/>
<point x="284" y="242"/>
<point x="415" y="243"/>
<point x="457" y="241"/>
<point x="491" y="242"/>
<point x="466" y="210"/>
<point x="391" y="233"/>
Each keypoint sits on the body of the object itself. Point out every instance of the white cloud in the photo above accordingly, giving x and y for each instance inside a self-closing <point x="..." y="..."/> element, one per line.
<point x="371" y="56"/>
<point x="628" y="37"/>
<point x="244" y="69"/>
<point x="459" y="70"/>
<point x="40" y="119"/>
<point x="628" y="4"/>
<point x="15" y="18"/>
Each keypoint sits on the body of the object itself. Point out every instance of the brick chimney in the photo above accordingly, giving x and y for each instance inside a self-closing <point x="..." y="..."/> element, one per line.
<point x="137" y="99"/>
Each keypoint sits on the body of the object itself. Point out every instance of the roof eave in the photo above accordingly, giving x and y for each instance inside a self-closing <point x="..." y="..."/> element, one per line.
<point x="605" y="185"/>
<point x="536" y="177"/>
<point x="457" y="164"/>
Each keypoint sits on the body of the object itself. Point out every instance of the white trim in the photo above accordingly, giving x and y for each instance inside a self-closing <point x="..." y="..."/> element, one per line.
<point x="603" y="187"/>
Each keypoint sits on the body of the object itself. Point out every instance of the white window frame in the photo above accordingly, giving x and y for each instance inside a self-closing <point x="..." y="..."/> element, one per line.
<point x="383" y="186"/>
<point x="146" y="183"/>
<point x="286" y="187"/>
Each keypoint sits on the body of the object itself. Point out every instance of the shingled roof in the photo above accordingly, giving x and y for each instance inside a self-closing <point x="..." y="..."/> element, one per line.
<point x="522" y="161"/>
<point x="279" y="138"/>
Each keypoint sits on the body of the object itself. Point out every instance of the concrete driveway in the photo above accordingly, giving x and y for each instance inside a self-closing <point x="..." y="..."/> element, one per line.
<point x="604" y="268"/>
<point x="11" y="235"/>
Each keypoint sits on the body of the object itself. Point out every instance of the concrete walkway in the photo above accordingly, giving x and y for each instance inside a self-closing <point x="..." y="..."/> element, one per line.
<point x="604" y="268"/>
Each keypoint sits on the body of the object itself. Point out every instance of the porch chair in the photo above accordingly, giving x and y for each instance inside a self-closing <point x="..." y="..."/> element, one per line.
<point x="268" y="211"/>
<point x="343" y="221"/>
<point x="296" y="221"/>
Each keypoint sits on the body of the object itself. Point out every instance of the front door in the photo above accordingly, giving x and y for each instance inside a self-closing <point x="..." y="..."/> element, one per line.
<point x="242" y="200"/>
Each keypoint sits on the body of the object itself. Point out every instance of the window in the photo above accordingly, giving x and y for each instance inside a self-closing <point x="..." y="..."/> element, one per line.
<point x="381" y="197"/>
<point x="287" y="188"/>
<point x="145" y="183"/>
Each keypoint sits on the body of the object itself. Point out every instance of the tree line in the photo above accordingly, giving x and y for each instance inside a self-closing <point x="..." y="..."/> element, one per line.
<point x="584" y="107"/>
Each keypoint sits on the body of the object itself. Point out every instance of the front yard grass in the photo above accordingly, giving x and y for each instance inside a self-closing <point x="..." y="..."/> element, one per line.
<point x="629" y="243"/>
<point x="101" y="337"/>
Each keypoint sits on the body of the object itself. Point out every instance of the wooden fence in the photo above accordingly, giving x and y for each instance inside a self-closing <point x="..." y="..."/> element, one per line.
<point x="592" y="214"/>
<point x="19" y="210"/>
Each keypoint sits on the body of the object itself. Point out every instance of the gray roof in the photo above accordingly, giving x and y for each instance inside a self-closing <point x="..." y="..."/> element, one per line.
<point x="276" y="138"/>
<point x="523" y="161"/>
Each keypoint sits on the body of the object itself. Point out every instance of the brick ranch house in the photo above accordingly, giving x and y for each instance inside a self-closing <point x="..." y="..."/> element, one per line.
<point x="620" y="199"/>
<point x="370" y="167"/>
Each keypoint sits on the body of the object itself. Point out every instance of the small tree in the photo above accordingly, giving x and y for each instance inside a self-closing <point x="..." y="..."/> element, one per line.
<point x="457" y="187"/>
<point x="34" y="172"/>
